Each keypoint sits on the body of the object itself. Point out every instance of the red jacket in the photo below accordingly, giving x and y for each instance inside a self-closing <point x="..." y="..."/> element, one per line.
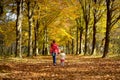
<point x="54" y="48"/>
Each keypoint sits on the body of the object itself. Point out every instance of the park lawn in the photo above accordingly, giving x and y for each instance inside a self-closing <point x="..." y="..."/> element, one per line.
<point x="76" y="68"/>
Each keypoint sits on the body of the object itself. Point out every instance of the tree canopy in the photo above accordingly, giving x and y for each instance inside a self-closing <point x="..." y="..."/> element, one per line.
<point x="83" y="26"/>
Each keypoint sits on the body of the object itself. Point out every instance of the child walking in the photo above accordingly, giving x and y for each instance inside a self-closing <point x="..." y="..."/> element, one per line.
<point x="62" y="58"/>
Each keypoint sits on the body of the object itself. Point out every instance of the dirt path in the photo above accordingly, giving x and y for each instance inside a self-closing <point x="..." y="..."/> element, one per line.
<point x="76" y="68"/>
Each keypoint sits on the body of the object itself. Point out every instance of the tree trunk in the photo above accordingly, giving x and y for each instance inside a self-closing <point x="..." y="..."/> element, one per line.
<point x="43" y="48"/>
<point x="94" y="36"/>
<point x="106" y="46"/>
<point x="108" y="23"/>
<point x="46" y="41"/>
<point x="77" y="41"/>
<point x="72" y="46"/>
<point x="36" y="38"/>
<point x="30" y="48"/>
<point x="68" y="47"/>
<point x="86" y="16"/>
<point x="81" y="32"/>
<point x="19" y="28"/>
<point x="111" y="20"/>
<point x="77" y="29"/>
<point x="86" y="39"/>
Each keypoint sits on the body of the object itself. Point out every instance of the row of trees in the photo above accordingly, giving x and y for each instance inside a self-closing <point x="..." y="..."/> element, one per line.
<point x="74" y="24"/>
<point x="112" y="15"/>
<point x="31" y="26"/>
<point x="93" y="12"/>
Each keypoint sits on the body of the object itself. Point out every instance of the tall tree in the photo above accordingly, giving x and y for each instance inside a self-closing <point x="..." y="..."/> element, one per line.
<point x="81" y="34"/>
<point x="30" y="9"/>
<point x="85" y="4"/>
<point x="97" y="14"/>
<point x="113" y="15"/>
<point x="19" y="27"/>
<point x="80" y="31"/>
<point x="36" y="28"/>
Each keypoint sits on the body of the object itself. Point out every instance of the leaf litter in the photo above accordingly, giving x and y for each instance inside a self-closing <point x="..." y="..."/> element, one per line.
<point x="76" y="68"/>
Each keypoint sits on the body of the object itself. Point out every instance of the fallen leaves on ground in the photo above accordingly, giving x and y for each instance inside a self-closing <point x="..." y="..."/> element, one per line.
<point x="76" y="68"/>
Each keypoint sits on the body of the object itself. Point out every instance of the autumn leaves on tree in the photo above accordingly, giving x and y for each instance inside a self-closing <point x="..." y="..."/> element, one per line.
<point x="79" y="26"/>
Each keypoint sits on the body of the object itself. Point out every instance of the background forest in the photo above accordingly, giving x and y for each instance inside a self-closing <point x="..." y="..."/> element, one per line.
<point x="87" y="27"/>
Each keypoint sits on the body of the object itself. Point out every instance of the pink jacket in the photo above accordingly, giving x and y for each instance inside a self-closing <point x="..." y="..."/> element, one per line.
<point x="54" y="48"/>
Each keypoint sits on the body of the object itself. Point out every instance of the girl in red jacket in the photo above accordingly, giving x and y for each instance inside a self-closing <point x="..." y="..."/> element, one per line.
<point x="54" y="50"/>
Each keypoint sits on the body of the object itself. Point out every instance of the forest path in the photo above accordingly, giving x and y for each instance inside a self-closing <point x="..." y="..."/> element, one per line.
<point x="76" y="68"/>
